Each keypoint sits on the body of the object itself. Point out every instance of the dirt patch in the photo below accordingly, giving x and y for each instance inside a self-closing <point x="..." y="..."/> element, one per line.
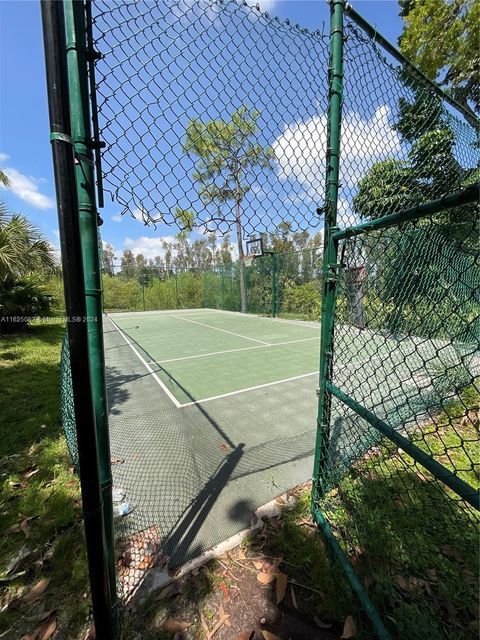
<point x="245" y="594"/>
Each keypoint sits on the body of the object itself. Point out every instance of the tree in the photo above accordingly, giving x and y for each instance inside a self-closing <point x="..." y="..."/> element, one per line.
<point x="108" y="259"/>
<point x="23" y="249"/>
<point x="225" y="156"/>
<point x="4" y="179"/>
<point x="127" y="265"/>
<point x="404" y="260"/>
<point x="25" y="256"/>
<point x="454" y="27"/>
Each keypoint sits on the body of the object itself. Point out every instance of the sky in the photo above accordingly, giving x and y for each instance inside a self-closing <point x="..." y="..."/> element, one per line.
<point x="25" y="153"/>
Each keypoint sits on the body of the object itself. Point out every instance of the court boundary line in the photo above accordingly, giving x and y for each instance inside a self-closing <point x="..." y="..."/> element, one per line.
<point x="216" y="353"/>
<point x="147" y="366"/>
<point x="209" y="326"/>
<point x="258" y="386"/>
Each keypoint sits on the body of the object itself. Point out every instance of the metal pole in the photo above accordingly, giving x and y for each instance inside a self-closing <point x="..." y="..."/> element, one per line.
<point x="77" y="65"/>
<point x="465" y="196"/>
<point x="274" y="285"/>
<point x="74" y="288"/>
<point x="357" y="586"/>
<point x="456" y="484"/>
<point x="223" y="288"/>
<point x="373" y="33"/>
<point x="176" y="288"/>
<point x="329" y="270"/>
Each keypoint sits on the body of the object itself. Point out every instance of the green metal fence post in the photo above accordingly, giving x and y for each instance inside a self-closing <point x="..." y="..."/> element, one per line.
<point x="205" y="289"/>
<point x="77" y="64"/>
<point x="329" y="271"/>
<point x="274" y="284"/>
<point x="222" y="291"/>
<point x="53" y="21"/>
<point x="176" y="288"/>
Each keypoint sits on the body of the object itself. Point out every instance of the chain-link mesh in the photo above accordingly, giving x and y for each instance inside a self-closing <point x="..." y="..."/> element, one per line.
<point x="67" y="408"/>
<point x="215" y="120"/>
<point x="406" y="348"/>
<point x="187" y="128"/>
<point x="401" y="144"/>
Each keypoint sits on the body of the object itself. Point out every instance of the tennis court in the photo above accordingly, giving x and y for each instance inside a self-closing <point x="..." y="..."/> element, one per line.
<point x="213" y="413"/>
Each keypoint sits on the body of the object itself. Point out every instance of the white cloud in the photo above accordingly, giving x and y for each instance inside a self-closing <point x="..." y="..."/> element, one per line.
<point x="3" y="157"/>
<point x="117" y="218"/>
<point x="300" y="149"/>
<point x="148" y="247"/>
<point x="265" y="5"/>
<point x="26" y="188"/>
<point x="345" y="216"/>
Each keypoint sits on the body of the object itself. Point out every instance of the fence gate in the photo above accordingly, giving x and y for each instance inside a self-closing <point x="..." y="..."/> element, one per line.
<point x="397" y="443"/>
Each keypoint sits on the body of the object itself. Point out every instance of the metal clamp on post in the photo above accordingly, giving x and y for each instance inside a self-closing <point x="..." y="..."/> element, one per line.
<point x="61" y="137"/>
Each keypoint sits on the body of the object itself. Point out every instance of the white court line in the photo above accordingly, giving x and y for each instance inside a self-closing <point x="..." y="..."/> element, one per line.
<point x="147" y="366"/>
<point x="270" y="384"/>
<point x="258" y="386"/>
<point x="209" y="326"/>
<point x="309" y="324"/>
<point x="216" y="353"/>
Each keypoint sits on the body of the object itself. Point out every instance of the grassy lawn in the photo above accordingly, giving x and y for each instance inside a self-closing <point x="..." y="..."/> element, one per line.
<point x="40" y="511"/>
<point x="413" y="545"/>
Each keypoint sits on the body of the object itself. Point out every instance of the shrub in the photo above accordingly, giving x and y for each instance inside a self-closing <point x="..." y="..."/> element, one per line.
<point x="304" y="300"/>
<point x="22" y="299"/>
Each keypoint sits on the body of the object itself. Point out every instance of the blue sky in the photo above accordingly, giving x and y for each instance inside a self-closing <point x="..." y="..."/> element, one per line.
<point x="24" y="144"/>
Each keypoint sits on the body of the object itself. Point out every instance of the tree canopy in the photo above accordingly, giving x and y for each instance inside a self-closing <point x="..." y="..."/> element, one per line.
<point x="441" y="37"/>
<point x="226" y="156"/>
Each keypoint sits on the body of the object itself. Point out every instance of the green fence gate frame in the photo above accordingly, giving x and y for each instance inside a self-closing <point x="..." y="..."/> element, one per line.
<point x="330" y="271"/>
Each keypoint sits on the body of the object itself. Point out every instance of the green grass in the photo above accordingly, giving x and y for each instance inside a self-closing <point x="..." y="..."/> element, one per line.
<point x="412" y="544"/>
<point x="32" y="442"/>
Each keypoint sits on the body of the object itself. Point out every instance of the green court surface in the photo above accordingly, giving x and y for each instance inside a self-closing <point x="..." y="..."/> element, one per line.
<point x="213" y="413"/>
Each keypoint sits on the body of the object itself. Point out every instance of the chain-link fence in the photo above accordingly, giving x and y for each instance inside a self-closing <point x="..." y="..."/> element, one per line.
<point x="219" y="119"/>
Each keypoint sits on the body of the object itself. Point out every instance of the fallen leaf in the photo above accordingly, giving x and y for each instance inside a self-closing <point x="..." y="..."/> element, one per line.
<point x="47" y="629"/>
<point x="174" y="626"/>
<point x="30" y="471"/>
<point x="294" y="597"/>
<point x="173" y="589"/>
<point x="23" y="556"/>
<point x="226" y="593"/>
<point x="266" y="578"/>
<point x="224" y="447"/>
<point x="258" y="565"/>
<point x="91" y="633"/>
<point x="223" y="619"/>
<point x="349" y="628"/>
<point x="281" y="587"/>
<point x="117" y="460"/>
<point x="36" y="591"/>
<point x="19" y="485"/>
<point x="25" y="527"/>
<point x="276" y="524"/>
<point x="268" y="635"/>
<point x="402" y="582"/>
<point x="39" y="617"/>
<point x="320" y="624"/>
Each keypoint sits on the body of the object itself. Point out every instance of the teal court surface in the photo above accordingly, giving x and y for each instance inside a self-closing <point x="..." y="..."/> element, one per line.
<point x="213" y="413"/>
